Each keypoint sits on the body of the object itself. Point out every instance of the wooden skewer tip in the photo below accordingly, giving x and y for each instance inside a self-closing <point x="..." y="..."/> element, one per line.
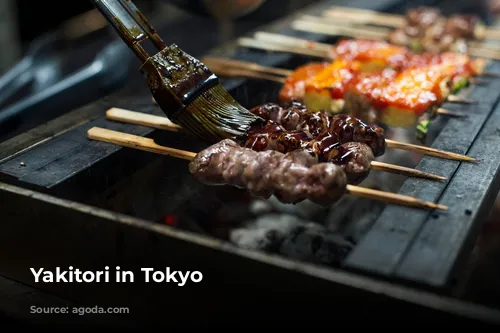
<point x="381" y="166"/>
<point x="461" y="100"/>
<point x="449" y="113"/>
<point x="429" y="151"/>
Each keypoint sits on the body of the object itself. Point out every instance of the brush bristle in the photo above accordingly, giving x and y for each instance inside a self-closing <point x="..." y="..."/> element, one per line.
<point x="215" y="115"/>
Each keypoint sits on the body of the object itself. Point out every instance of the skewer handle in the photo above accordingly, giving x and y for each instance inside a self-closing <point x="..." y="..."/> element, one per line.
<point x="229" y="71"/>
<point x="143" y="119"/>
<point x="215" y="61"/>
<point x="275" y="38"/>
<point x="273" y="47"/>
<point x="366" y="17"/>
<point x="136" y="142"/>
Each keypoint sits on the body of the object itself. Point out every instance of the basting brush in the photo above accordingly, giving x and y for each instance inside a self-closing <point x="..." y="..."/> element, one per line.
<point x="184" y="88"/>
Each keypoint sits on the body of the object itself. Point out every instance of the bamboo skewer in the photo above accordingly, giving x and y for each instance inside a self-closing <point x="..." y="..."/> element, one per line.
<point x="460" y="99"/>
<point x="210" y="61"/>
<point x="223" y="67"/>
<point x="428" y="151"/>
<point x="236" y="72"/>
<point x="139" y="118"/>
<point x="147" y="144"/>
<point x="366" y="16"/>
<point x="300" y="46"/>
<point x="252" y="43"/>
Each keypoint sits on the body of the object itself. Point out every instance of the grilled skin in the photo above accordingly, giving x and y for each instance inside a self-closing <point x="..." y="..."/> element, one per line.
<point x="291" y="177"/>
<point x="343" y="128"/>
<point x="354" y="157"/>
<point x="426" y="30"/>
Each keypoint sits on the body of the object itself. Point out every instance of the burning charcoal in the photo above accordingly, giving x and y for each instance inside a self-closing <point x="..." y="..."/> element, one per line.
<point x="288" y="235"/>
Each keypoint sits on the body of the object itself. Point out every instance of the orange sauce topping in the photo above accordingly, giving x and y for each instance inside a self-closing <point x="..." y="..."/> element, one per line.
<point x="415" y="89"/>
<point x="334" y="78"/>
<point x="295" y="84"/>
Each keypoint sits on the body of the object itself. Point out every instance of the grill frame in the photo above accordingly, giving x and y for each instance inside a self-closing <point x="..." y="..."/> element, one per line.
<point x="90" y="238"/>
<point x="119" y="234"/>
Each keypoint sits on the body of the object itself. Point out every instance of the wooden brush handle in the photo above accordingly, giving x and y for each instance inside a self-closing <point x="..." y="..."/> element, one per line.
<point x="139" y="118"/>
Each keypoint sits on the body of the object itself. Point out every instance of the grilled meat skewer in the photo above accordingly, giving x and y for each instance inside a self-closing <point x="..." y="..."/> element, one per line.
<point x="424" y="28"/>
<point x="325" y="181"/>
<point x="353" y="157"/>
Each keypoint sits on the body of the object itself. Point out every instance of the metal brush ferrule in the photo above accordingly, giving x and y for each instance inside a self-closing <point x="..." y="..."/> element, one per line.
<point x="175" y="79"/>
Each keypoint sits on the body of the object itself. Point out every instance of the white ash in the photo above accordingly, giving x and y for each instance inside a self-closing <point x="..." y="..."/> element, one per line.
<point x="260" y="207"/>
<point x="288" y="235"/>
<point x="306" y="209"/>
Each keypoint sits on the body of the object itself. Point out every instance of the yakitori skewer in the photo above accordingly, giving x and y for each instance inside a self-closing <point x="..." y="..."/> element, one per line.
<point x="374" y="55"/>
<point x="324" y="87"/>
<point x="331" y="27"/>
<point x="465" y="26"/>
<point x="262" y="173"/>
<point x="165" y="124"/>
<point x="420" y="149"/>
<point x="162" y="123"/>
<point x="236" y="68"/>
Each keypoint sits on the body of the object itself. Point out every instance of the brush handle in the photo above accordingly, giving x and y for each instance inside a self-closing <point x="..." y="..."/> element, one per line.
<point x="130" y="24"/>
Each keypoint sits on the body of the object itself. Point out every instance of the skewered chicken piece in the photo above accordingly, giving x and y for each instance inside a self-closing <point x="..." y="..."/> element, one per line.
<point x="469" y="27"/>
<point x="355" y="157"/>
<point x="322" y="86"/>
<point x="436" y="43"/>
<point x="424" y="29"/>
<point x="391" y="97"/>
<point x="297" y="117"/>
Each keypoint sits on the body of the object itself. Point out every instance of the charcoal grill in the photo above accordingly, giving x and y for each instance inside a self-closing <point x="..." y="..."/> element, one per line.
<point x="68" y="201"/>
